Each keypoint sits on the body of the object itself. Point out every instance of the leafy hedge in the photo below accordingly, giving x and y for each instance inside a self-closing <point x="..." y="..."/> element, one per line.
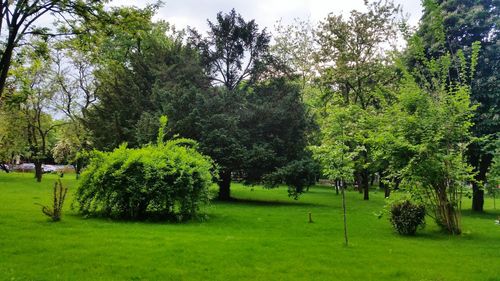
<point x="170" y="180"/>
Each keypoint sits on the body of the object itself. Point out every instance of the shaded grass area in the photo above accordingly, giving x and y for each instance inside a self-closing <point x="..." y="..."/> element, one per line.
<point x="263" y="235"/>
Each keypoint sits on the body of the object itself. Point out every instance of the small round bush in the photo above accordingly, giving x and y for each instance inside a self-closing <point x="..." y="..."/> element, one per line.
<point x="406" y="217"/>
<point x="165" y="181"/>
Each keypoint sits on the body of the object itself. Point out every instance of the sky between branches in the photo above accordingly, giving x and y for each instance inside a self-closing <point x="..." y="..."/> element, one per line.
<point x="194" y="13"/>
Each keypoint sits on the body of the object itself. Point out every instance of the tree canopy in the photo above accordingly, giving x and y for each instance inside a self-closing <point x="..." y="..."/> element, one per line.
<point x="18" y="20"/>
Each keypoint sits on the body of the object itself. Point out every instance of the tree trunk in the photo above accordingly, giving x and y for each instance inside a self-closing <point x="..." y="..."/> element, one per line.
<point x="78" y="169"/>
<point x="344" y="215"/>
<point x="494" y="200"/>
<point x="38" y="171"/>
<point x="478" y="193"/>
<point x="387" y="190"/>
<point x="359" y="180"/>
<point x="477" y="197"/>
<point x="6" y="58"/>
<point x="365" y="184"/>
<point x="224" y="185"/>
<point x="481" y="162"/>
<point x="397" y="181"/>
<point x="447" y="215"/>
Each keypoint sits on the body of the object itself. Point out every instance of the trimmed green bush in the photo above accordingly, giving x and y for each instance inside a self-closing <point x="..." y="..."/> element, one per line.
<point x="406" y="217"/>
<point x="168" y="181"/>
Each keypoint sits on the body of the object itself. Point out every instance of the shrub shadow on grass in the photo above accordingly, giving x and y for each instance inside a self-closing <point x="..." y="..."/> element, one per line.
<point x="153" y="219"/>
<point x="266" y="203"/>
<point x="488" y="215"/>
<point x="435" y="235"/>
<point x="441" y="235"/>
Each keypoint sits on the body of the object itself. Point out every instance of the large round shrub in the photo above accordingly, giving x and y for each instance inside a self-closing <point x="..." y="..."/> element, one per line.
<point x="406" y="217"/>
<point x="165" y="181"/>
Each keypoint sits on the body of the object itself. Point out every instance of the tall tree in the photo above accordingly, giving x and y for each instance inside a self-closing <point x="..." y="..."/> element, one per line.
<point x="452" y="25"/>
<point x="13" y="142"/>
<point x="35" y="92"/>
<point x="234" y="50"/>
<point x="356" y="72"/>
<point x="258" y="133"/>
<point x="18" y="18"/>
<point x="429" y="130"/>
<point x="159" y="76"/>
<point x="75" y="93"/>
<point x="295" y="45"/>
<point x="250" y="129"/>
<point x="256" y="122"/>
<point x="233" y="54"/>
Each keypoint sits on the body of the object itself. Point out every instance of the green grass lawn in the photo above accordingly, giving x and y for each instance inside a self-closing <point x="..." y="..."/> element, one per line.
<point x="263" y="236"/>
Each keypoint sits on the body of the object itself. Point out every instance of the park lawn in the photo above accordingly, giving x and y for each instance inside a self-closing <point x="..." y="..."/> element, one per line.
<point x="263" y="236"/>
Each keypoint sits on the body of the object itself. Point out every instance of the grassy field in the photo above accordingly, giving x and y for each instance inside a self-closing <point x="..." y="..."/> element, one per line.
<point x="263" y="236"/>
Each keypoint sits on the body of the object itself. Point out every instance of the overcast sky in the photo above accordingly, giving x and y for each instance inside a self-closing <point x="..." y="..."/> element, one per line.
<point x="194" y="13"/>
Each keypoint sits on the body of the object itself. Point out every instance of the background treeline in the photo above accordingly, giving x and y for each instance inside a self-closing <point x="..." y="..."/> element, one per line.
<point x="362" y="100"/>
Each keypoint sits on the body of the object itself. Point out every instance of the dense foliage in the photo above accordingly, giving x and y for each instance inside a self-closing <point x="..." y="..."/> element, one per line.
<point x="250" y="128"/>
<point x="297" y="175"/>
<point x="406" y="217"/>
<point x="427" y="132"/>
<point x="252" y="133"/>
<point x="344" y="93"/>
<point x="170" y="181"/>
<point x="453" y="25"/>
<point x="356" y="79"/>
<point x="19" y="18"/>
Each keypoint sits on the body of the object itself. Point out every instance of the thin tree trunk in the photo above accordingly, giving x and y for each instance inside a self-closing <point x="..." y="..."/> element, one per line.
<point x="38" y="170"/>
<point x="494" y="199"/>
<point x="387" y="190"/>
<point x="345" y="215"/>
<point x="5" y="61"/>
<point x="448" y="217"/>
<point x="365" y="184"/>
<point x="78" y="169"/>
<point x="359" y="180"/>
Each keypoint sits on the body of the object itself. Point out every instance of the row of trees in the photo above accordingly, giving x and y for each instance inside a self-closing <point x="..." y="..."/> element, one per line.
<point x="356" y="75"/>
<point x="344" y="91"/>
<point x="112" y="83"/>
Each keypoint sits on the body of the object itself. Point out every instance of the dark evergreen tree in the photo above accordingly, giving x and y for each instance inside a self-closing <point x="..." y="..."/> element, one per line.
<point x="249" y="125"/>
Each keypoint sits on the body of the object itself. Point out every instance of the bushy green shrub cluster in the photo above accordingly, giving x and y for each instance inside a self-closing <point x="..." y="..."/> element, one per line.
<point x="170" y="180"/>
<point x="406" y="217"/>
<point x="297" y="175"/>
